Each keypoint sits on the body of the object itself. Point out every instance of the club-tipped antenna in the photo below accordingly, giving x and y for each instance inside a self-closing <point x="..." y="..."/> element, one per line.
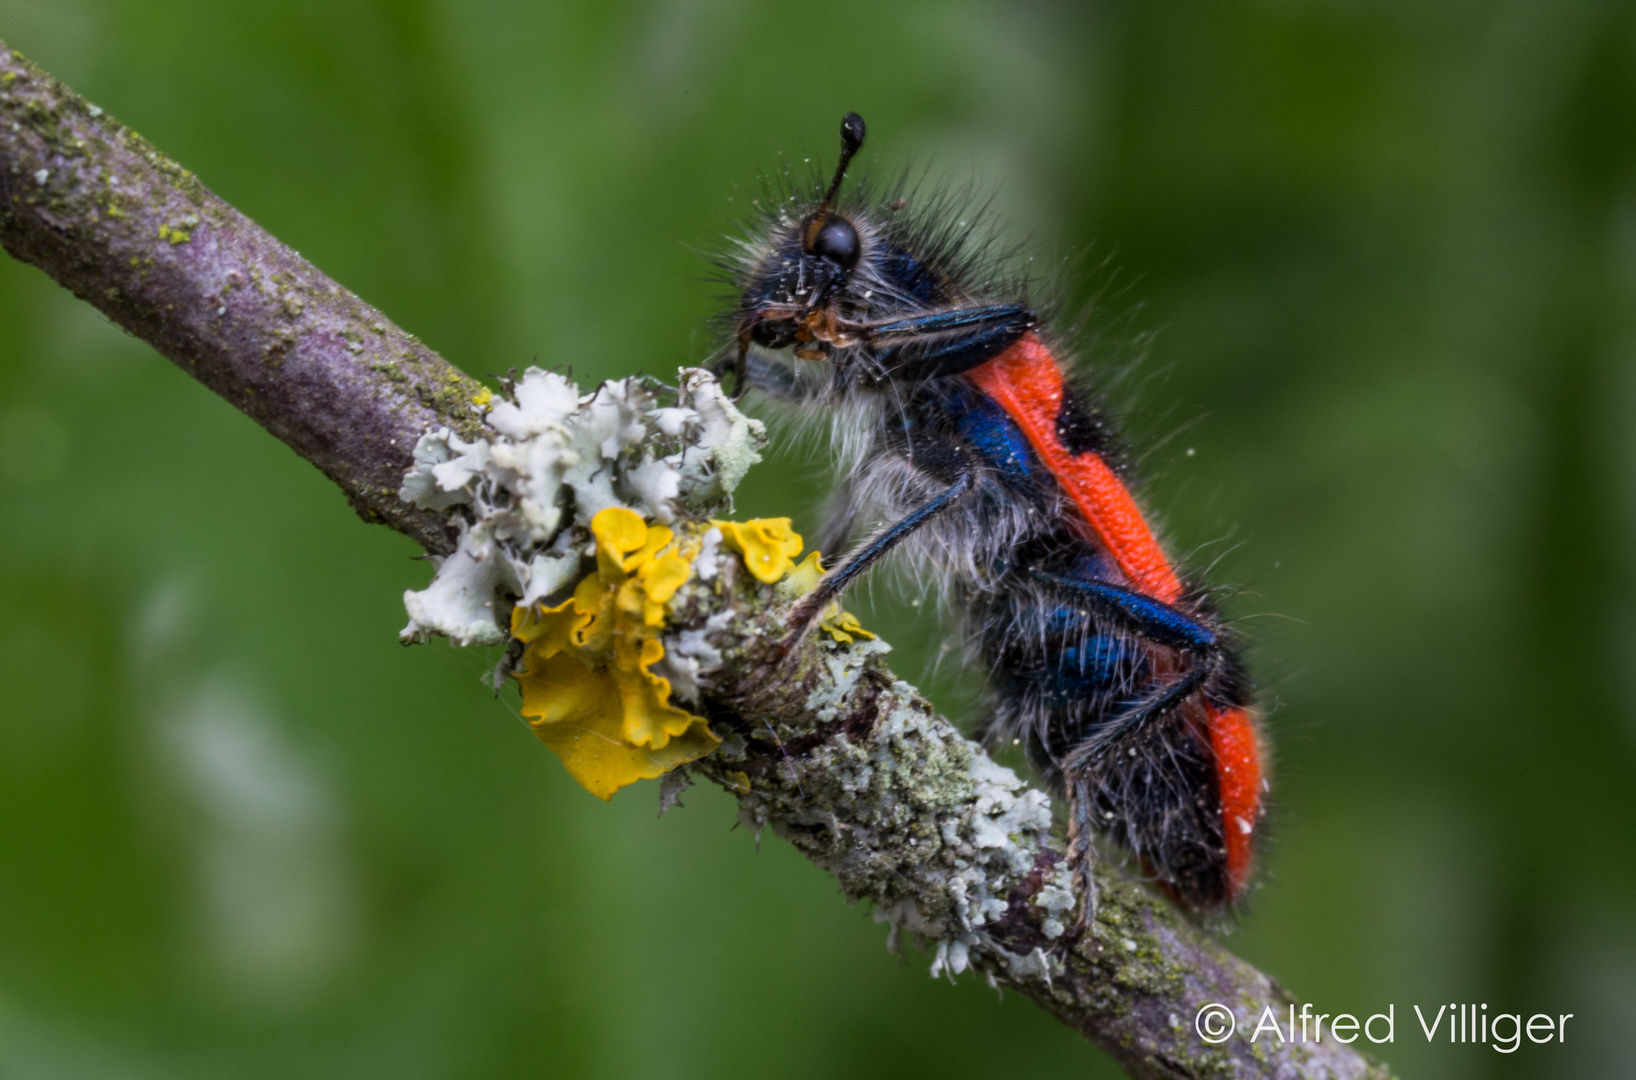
<point x="852" y="131"/>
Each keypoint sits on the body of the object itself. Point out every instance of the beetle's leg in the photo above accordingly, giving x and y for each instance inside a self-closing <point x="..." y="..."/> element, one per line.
<point x="1200" y="650"/>
<point x="943" y="342"/>
<point x="948" y="319"/>
<point x="1081" y="855"/>
<point x="1151" y="620"/>
<point x="1082" y="772"/>
<point x="741" y="363"/>
<point x="1158" y="622"/>
<point x="1144" y="712"/>
<point x="746" y="337"/>
<point x="835" y="582"/>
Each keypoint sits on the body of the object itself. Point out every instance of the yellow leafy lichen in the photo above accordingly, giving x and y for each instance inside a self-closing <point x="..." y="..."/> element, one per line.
<point x="803" y="578"/>
<point x="843" y="625"/>
<point x="586" y="673"/>
<point x="768" y="545"/>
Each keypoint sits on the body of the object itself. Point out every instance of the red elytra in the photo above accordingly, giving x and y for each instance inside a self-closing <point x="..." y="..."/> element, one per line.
<point x="1026" y="382"/>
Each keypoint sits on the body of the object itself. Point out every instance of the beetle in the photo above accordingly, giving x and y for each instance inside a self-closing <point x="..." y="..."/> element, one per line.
<point x="958" y="423"/>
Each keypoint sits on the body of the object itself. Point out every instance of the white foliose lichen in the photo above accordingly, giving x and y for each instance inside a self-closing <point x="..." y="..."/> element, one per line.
<point x="993" y="843"/>
<point x="1056" y="898"/>
<point x="550" y="459"/>
<point x="937" y="834"/>
<point x="689" y="656"/>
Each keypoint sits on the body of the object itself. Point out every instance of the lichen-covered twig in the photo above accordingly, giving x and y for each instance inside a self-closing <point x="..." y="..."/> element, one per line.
<point x="825" y="747"/>
<point x="852" y="766"/>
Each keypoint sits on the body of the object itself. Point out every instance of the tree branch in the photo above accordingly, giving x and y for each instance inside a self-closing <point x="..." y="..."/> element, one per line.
<point x="833" y="752"/>
<point x="94" y="205"/>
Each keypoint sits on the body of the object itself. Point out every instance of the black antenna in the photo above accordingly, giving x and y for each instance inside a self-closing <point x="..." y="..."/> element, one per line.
<point x="852" y="131"/>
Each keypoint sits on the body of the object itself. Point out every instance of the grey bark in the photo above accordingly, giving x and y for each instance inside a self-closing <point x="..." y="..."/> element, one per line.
<point x="107" y="216"/>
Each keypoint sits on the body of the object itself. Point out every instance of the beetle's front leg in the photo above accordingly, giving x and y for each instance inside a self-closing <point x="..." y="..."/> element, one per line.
<point x="941" y="343"/>
<point x="758" y="329"/>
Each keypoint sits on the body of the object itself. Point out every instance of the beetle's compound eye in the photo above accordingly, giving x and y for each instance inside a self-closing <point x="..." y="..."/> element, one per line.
<point x="837" y="241"/>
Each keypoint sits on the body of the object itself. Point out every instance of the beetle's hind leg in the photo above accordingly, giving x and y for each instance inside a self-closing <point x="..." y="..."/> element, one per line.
<point x="1081" y="851"/>
<point x="1158" y="623"/>
<point x="1096" y="759"/>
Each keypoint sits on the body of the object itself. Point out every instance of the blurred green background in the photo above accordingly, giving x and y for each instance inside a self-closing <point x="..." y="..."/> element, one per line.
<point x="1388" y="254"/>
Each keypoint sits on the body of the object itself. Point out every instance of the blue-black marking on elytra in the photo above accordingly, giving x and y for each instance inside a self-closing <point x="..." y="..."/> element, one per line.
<point x="994" y="437"/>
